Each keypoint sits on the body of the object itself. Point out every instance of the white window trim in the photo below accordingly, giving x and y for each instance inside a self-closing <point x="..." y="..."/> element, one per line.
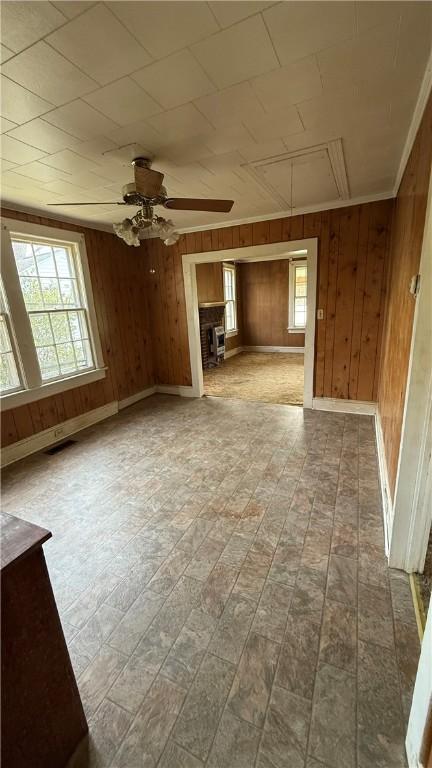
<point x="231" y="268"/>
<point x="33" y="388"/>
<point x="292" y="265"/>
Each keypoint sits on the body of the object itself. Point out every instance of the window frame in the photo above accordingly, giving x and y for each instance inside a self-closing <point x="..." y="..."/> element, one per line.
<point x="230" y="268"/>
<point x="293" y="263"/>
<point x="33" y="387"/>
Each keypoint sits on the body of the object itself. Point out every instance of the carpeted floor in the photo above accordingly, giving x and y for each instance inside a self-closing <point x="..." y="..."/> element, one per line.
<point x="270" y="377"/>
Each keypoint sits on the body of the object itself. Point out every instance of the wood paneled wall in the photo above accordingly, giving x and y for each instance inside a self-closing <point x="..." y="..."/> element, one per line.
<point x="405" y="252"/>
<point x="119" y="277"/>
<point x="353" y="245"/>
<point x="264" y="287"/>
<point x="209" y="282"/>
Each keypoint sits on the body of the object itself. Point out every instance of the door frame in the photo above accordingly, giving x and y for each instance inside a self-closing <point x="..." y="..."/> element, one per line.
<point x="268" y="252"/>
<point x="412" y="508"/>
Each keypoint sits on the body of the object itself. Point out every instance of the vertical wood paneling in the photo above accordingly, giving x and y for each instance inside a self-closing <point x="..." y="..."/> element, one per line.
<point x="120" y="288"/>
<point x="405" y="251"/>
<point x="351" y="256"/>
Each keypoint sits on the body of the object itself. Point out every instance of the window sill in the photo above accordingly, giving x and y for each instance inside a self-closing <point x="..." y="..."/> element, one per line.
<point x="25" y="396"/>
<point x="228" y="334"/>
<point x="296" y="330"/>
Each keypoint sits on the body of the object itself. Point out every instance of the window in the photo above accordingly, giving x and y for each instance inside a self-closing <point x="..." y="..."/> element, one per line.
<point x="229" y="282"/>
<point x="297" y="302"/>
<point x="49" y="337"/>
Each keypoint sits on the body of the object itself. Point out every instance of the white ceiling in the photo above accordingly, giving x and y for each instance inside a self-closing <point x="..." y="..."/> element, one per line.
<point x="205" y="89"/>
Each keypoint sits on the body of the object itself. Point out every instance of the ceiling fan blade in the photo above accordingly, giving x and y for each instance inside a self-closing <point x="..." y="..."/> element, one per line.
<point x="147" y="181"/>
<point x="190" y="204"/>
<point x="115" y="203"/>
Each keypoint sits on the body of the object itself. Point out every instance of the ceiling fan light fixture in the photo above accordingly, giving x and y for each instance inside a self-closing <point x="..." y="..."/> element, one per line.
<point x="128" y="232"/>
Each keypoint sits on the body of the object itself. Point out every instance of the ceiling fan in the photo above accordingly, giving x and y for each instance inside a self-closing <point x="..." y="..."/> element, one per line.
<point x="146" y="192"/>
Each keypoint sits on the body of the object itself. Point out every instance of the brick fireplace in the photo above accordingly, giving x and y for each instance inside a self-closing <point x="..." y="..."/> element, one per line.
<point x="210" y="317"/>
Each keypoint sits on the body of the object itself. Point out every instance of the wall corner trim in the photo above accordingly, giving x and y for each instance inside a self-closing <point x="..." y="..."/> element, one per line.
<point x="56" y="434"/>
<point x="338" y="405"/>
<point x="387" y="504"/>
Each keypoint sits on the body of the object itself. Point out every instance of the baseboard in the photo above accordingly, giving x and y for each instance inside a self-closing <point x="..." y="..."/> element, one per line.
<point x="136" y="397"/>
<point x="55" y="434"/>
<point x="174" y="389"/>
<point x="344" y="406"/>
<point x="387" y="504"/>
<point x="299" y="350"/>
<point x="231" y="352"/>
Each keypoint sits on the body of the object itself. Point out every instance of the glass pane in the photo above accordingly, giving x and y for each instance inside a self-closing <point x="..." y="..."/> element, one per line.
<point x="64" y="263"/>
<point x="66" y="356"/>
<point x="50" y="292"/>
<point x="301" y="281"/>
<point x="44" y="260"/>
<point x="24" y="258"/>
<point x="9" y="378"/>
<point x="41" y="328"/>
<point x="31" y="292"/>
<point x="48" y="362"/>
<point x="229" y="311"/>
<point x="69" y="293"/>
<point x="83" y="354"/>
<point x="60" y="326"/>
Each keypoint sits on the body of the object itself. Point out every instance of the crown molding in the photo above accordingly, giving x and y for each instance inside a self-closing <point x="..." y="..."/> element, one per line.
<point x="287" y="214"/>
<point x="425" y="89"/>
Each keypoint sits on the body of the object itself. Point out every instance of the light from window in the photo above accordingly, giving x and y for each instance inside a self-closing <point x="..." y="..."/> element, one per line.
<point x="9" y="378"/>
<point x="297" y="295"/>
<point x="53" y="298"/>
<point x="230" y="298"/>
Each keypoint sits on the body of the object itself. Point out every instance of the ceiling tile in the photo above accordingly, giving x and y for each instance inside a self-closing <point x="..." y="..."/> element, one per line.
<point x="71" y="162"/>
<point x="359" y="59"/>
<point x="23" y="23"/>
<point x="231" y="106"/>
<point x="6" y="125"/>
<point x="20" y="105"/>
<point x="228" y="13"/>
<point x="238" y="53"/>
<point x="370" y="15"/>
<point x="43" y="136"/>
<point x="80" y="119"/>
<point x="299" y="29"/>
<point x="100" y="45"/>
<point x="186" y="151"/>
<point x="179" y="123"/>
<point x="17" y="152"/>
<point x="175" y="80"/>
<point x="17" y="181"/>
<point x="49" y="75"/>
<point x="72" y="8"/>
<point x="228" y="138"/>
<point x="276" y="124"/>
<point x="5" y="165"/>
<point x="40" y="172"/>
<point x="261" y="150"/>
<point x="74" y="193"/>
<point x="136" y="133"/>
<point x="87" y="180"/>
<point x="168" y="27"/>
<point x="124" y="102"/>
<point x="5" y="53"/>
<point x="296" y="82"/>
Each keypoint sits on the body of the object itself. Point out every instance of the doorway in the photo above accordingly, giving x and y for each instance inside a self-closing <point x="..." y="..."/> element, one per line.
<point x="289" y="251"/>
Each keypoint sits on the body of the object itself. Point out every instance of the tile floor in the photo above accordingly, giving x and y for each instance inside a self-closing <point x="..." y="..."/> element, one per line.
<point x="219" y="571"/>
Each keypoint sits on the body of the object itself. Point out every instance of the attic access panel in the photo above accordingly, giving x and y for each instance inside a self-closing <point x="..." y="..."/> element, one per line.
<point x="305" y="178"/>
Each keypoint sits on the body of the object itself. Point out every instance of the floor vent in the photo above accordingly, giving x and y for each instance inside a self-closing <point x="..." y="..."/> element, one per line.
<point x="59" y="447"/>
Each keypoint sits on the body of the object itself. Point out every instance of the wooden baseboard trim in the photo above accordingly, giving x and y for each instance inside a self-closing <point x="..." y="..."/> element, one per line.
<point x="344" y="406"/>
<point x="232" y="352"/>
<point x="173" y="389"/>
<point x="136" y="397"/>
<point x="47" y="437"/>
<point x="295" y="350"/>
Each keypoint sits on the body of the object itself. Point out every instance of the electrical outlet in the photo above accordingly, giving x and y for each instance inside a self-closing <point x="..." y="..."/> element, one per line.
<point x="320" y="314"/>
<point x="59" y="432"/>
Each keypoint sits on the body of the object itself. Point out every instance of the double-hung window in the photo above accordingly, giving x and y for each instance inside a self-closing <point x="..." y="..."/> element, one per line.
<point x="49" y="336"/>
<point x="297" y="299"/>
<point x="229" y="284"/>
